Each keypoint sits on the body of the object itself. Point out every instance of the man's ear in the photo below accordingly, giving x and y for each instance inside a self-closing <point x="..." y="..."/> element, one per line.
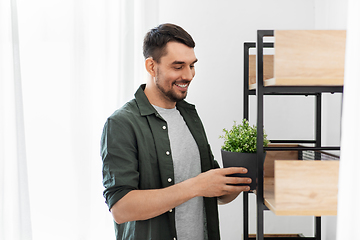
<point x="150" y="66"/>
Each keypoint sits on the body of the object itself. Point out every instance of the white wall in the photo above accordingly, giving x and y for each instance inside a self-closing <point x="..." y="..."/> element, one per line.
<point x="331" y="14"/>
<point x="220" y="28"/>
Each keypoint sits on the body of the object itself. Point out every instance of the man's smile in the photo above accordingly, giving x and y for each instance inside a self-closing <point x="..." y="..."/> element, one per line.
<point x="182" y="84"/>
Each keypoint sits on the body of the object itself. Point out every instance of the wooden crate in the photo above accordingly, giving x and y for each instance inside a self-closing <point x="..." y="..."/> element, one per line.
<point x="303" y="58"/>
<point x="300" y="187"/>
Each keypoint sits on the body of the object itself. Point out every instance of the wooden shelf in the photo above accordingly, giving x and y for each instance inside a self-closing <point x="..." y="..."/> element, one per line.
<point x="304" y="62"/>
<point x="302" y="188"/>
<point x="303" y="58"/>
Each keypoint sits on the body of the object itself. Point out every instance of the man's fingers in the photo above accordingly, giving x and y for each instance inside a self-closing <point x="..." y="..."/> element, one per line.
<point x="238" y="180"/>
<point x="233" y="170"/>
<point x="232" y="188"/>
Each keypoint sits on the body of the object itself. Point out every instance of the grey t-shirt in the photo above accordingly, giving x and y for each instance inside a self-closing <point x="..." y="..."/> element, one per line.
<point x="189" y="216"/>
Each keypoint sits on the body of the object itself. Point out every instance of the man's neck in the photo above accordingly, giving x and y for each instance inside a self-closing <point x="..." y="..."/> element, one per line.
<point x="155" y="98"/>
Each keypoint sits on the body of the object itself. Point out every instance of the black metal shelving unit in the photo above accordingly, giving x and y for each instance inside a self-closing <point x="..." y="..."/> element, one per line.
<point x="260" y="92"/>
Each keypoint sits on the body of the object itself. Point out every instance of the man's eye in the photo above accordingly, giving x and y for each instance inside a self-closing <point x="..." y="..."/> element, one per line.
<point x="178" y="67"/>
<point x="192" y="66"/>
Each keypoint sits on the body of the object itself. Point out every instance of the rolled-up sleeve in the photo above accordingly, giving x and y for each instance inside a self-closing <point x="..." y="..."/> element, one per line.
<point x="120" y="160"/>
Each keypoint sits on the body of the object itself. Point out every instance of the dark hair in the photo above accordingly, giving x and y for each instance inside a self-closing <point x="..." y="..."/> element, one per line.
<point x="156" y="39"/>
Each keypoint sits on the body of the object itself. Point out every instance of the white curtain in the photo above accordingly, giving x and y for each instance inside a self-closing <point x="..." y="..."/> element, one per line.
<point x="80" y="60"/>
<point x="15" y="222"/>
<point x="349" y="177"/>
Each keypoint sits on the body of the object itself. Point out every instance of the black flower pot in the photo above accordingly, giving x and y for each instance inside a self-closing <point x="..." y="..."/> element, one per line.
<point x="239" y="159"/>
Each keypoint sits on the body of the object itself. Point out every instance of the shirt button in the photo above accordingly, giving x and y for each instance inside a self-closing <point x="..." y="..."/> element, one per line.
<point x="174" y="238"/>
<point x="169" y="179"/>
<point x="170" y="210"/>
<point x="164" y="127"/>
<point x="167" y="153"/>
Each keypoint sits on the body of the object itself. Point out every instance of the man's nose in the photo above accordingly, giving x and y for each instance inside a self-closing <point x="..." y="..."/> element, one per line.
<point x="188" y="74"/>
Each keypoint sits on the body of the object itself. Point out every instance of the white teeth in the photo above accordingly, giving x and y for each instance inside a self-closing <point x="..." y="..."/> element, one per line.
<point x="181" y="85"/>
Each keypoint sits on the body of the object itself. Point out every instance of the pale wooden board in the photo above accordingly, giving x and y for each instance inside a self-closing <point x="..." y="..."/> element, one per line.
<point x="268" y="69"/>
<point x="269" y="197"/>
<point x="306" y="187"/>
<point x="303" y="82"/>
<point x="309" y="57"/>
<point x="271" y="156"/>
<point x="274" y="235"/>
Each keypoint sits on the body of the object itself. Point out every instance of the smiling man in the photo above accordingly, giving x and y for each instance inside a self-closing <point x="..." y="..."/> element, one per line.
<point x="171" y="76"/>
<point x="161" y="180"/>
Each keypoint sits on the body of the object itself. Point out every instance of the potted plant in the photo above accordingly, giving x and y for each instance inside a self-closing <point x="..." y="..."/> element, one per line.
<point x="239" y="149"/>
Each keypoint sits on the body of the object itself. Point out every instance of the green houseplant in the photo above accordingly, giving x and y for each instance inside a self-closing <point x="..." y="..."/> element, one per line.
<point x="241" y="138"/>
<point x="239" y="149"/>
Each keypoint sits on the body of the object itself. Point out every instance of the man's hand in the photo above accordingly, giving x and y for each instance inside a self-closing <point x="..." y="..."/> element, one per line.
<point x="216" y="183"/>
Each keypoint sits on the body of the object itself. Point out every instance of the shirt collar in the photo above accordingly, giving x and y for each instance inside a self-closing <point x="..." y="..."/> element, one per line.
<point x="145" y="107"/>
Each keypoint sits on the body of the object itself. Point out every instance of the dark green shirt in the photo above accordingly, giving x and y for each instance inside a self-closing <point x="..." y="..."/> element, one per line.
<point x="136" y="154"/>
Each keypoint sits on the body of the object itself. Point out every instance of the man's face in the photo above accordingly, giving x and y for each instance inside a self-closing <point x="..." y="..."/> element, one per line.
<point x="175" y="71"/>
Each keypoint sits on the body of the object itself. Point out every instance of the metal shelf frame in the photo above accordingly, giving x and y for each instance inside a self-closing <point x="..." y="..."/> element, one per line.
<point x="260" y="92"/>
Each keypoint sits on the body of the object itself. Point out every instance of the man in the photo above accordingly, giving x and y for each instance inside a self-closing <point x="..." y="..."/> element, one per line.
<point x="161" y="180"/>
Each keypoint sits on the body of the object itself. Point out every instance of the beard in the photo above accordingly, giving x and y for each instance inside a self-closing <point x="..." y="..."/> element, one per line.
<point x="170" y="94"/>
